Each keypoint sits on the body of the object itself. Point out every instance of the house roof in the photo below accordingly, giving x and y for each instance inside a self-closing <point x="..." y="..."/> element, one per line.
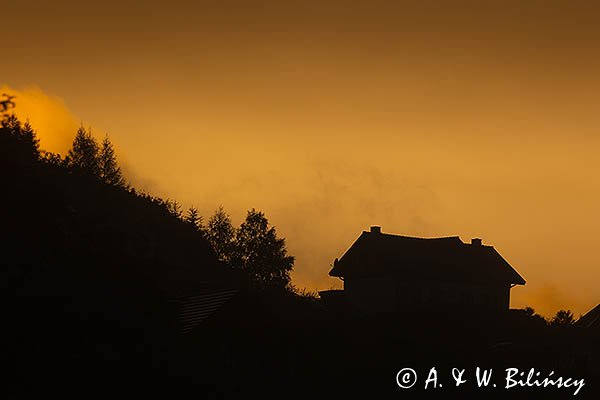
<point x="447" y="258"/>
<point x="591" y="320"/>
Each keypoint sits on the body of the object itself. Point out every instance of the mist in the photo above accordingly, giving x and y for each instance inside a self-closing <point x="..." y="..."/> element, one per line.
<point x="429" y="120"/>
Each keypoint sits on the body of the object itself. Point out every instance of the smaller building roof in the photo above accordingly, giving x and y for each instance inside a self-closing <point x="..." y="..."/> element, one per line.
<point x="447" y="259"/>
<point x="591" y="320"/>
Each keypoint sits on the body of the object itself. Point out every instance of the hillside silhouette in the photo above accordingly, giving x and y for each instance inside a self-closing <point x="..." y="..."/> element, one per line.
<point x="95" y="275"/>
<point x="88" y="266"/>
<point x="91" y="268"/>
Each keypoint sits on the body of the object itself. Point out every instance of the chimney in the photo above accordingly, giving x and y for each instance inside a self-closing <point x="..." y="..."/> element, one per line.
<point x="476" y="242"/>
<point x="376" y="229"/>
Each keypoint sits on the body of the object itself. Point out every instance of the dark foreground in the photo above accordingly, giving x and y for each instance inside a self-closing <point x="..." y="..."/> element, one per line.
<point x="109" y="345"/>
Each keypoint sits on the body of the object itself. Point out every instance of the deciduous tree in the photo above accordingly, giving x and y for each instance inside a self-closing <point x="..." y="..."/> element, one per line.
<point x="221" y="235"/>
<point x="261" y="254"/>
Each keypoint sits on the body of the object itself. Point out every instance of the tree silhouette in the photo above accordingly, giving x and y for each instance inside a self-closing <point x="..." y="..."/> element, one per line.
<point x="84" y="153"/>
<point x="6" y="104"/>
<point x="563" y="318"/>
<point x="193" y="218"/>
<point x="29" y="140"/>
<point x="533" y="317"/>
<point x="221" y="235"/>
<point x="19" y="141"/>
<point x="529" y="311"/>
<point x="174" y="208"/>
<point x="261" y="254"/>
<point x="109" y="170"/>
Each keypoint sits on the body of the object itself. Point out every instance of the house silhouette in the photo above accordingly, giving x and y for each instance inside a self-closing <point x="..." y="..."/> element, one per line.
<point x="386" y="273"/>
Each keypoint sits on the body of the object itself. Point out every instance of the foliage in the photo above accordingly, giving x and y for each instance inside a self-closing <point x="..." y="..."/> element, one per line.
<point x="261" y="254"/>
<point x="69" y="223"/>
<point x="84" y="153"/>
<point x="174" y="208"/>
<point x="221" y="235"/>
<point x="87" y="157"/>
<point x="109" y="171"/>
<point x="6" y="104"/>
<point x="18" y="142"/>
<point x="309" y="296"/>
<point x="253" y="248"/>
<point x="533" y="317"/>
<point x="563" y="318"/>
<point x="193" y="218"/>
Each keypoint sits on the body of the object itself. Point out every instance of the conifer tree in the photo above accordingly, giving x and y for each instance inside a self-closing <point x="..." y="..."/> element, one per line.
<point x="174" y="208"/>
<point x="84" y="153"/>
<point x="19" y="141"/>
<point x="193" y="218"/>
<point x="29" y="140"/>
<point x="109" y="170"/>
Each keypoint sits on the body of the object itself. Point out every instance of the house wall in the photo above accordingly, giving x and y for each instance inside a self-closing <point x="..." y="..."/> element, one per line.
<point x="450" y="295"/>
<point x="386" y="294"/>
<point x="504" y="297"/>
<point x="372" y="294"/>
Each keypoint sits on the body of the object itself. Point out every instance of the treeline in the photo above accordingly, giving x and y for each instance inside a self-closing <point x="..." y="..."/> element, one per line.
<point x="562" y="318"/>
<point x="253" y="249"/>
<point x="86" y="156"/>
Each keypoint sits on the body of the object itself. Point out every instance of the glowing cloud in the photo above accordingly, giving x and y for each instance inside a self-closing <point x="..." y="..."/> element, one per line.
<point x="54" y="122"/>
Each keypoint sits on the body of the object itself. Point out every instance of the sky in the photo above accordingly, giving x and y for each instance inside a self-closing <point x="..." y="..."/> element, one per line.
<point x="467" y="118"/>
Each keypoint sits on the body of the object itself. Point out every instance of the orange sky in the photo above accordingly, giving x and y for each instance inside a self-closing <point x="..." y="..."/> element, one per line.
<point x="428" y="119"/>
